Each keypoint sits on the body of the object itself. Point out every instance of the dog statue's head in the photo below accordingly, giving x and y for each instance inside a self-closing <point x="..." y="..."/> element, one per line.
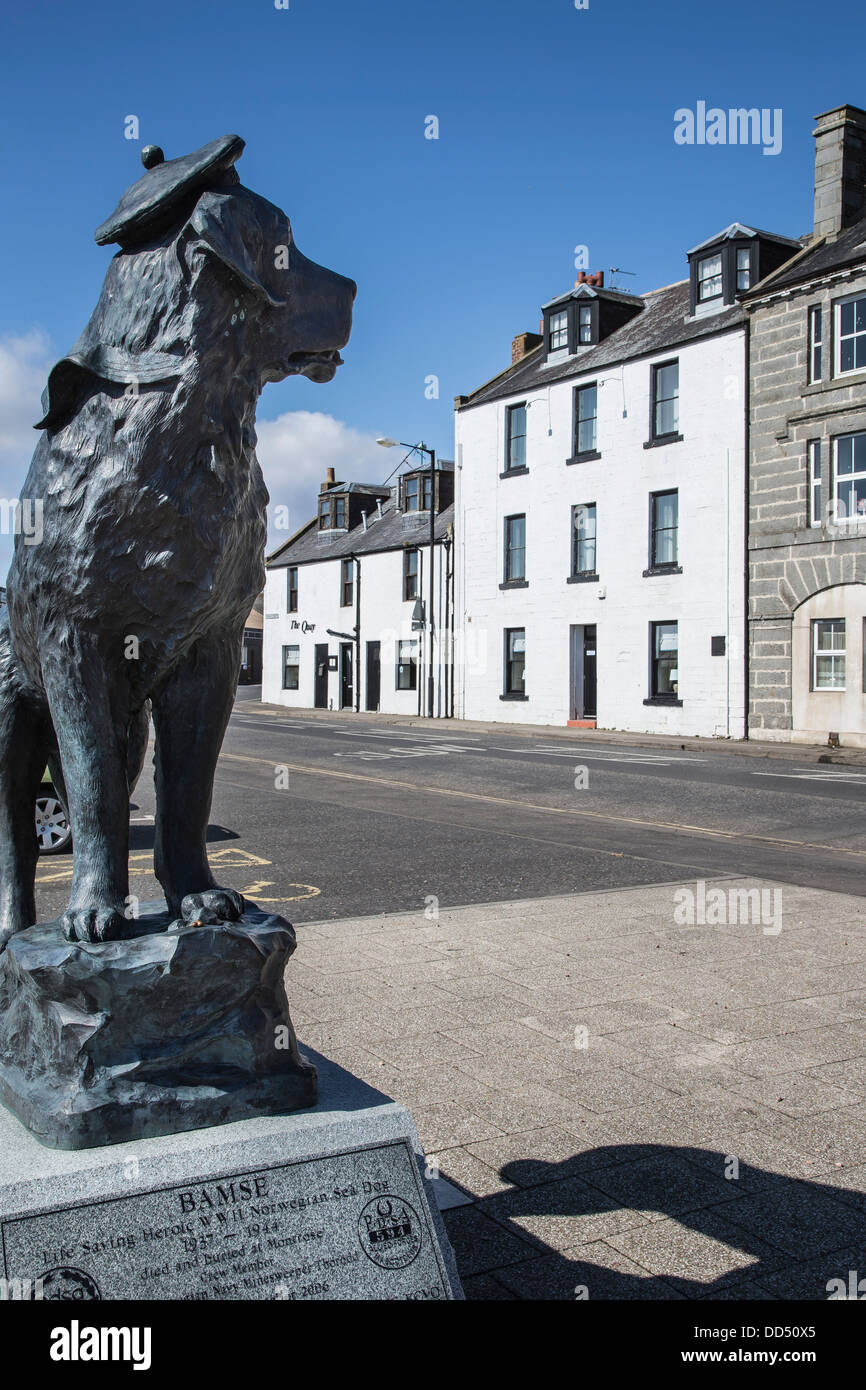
<point x="208" y="283"/>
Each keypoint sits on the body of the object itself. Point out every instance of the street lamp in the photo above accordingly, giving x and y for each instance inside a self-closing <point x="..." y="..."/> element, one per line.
<point x="388" y="443"/>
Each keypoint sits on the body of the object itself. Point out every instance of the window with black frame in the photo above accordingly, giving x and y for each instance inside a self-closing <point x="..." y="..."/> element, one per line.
<point x="515" y="661"/>
<point x="664" y="661"/>
<point x="665" y="400"/>
<point x="292" y="589"/>
<point x="516" y="437"/>
<point x="585" y="419"/>
<point x="710" y="278"/>
<point x="515" y="549"/>
<point x="291" y="667"/>
<point x="407" y="665"/>
<point x="410" y="574"/>
<point x="558" y="331"/>
<point x="583" y="538"/>
<point x="664" y="529"/>
<point x="347" y="582"/>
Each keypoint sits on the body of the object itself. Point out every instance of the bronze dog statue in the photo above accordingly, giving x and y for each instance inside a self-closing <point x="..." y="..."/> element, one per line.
<point x="153" y="532"/>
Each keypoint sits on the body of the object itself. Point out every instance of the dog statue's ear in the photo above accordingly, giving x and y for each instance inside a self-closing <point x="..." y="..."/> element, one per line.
<point x="73" y="376"/>
<point x="228" y="225"/>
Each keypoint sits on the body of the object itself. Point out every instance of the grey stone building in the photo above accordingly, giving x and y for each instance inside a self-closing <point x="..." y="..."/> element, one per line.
<point x="807" y="492"/>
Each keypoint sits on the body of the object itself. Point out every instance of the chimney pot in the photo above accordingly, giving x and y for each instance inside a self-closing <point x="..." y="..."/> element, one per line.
<point x="329" y="481"/>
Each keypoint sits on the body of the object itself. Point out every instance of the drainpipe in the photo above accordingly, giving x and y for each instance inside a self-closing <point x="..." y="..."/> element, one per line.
<point x="747" y="490"/>
<point x="357" y="633"/>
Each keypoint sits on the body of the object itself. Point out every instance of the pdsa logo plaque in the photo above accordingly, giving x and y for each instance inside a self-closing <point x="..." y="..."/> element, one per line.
<point x="390" y="1232"/>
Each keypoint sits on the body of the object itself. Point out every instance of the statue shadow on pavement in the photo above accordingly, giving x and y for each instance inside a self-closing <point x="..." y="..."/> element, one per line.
<point x="798" y="1236"/>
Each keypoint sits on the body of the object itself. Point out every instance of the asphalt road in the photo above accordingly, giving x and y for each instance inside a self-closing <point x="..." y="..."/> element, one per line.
<point x="326" y="819"/>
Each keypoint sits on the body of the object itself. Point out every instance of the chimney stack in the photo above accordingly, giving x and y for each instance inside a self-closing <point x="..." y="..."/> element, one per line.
<point x="596" y="279"/>
<point x="522" y="344"/>
<point x="840" y="169"/>
<point x="329" y="481"/>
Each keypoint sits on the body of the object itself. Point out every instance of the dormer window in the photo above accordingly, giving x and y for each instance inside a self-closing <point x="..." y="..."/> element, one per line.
<point x="731" y="263"/>
<point x="333" y="513"/>
<point x="584" y="323"/>
<point x="558" y="336"/>
<point x="416" y="492"/>
<point x="710" y="278"/>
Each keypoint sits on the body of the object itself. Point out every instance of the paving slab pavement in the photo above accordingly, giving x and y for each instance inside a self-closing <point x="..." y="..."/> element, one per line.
<point x="637" y="1105"/>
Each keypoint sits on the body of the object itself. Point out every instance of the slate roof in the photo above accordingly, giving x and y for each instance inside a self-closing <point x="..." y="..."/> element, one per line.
<point x="662" y="324"/>
<point x="587" y="291"/>
<point x="848" y="248"/>
<point x="737" y="229"/>
<point x="395" y="530"/>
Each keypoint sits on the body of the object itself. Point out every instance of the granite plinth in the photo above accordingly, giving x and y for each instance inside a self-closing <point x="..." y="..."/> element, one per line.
<point x="328" y="1203"/>
<point x="177" y="1028"/>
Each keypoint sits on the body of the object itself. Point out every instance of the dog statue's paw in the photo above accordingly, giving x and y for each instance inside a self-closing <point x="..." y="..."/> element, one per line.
<point x="213" y="905"/>
<point x="94" y="924"/>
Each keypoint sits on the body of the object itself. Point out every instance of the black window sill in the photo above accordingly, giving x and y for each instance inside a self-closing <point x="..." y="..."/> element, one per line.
<point x="514" y="472"/>
<point x="586" y="457"/>
<point x="662" y="569"/>
<point x="588" y="578"/>
<point x="515" y="584"/>
<point x="663" y="700"/>
<point x="514" y="697"/>
<point x="662" y="440"/>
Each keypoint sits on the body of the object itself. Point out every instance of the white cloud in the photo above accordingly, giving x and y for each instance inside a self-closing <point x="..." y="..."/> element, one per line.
<point x="24" y="366"/>
<point x="295" y="452"/>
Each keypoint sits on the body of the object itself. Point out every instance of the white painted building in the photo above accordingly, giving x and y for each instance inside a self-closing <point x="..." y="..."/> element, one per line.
<point x="600" y="508"/>
<point x="347" y="598"/>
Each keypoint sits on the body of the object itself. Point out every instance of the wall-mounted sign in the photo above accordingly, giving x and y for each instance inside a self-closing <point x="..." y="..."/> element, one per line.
<point x="333" y="663"/>
<point x="304" y="627"/>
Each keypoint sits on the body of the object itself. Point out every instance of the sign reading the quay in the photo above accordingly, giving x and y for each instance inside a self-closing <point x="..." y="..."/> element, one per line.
<point x="352" y="1225"/>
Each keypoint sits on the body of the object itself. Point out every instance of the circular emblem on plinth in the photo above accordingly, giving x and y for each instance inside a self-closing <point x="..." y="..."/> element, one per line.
<point x="390" y="1231"/>
<point x="68" y="1285"/>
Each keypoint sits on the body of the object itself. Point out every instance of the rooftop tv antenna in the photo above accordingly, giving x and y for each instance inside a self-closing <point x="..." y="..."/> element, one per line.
<point x="616" y="270"/>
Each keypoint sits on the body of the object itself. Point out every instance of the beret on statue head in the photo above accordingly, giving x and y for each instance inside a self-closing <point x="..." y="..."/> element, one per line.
<point x="162" y="194"/>
<point x="163" y="197"/>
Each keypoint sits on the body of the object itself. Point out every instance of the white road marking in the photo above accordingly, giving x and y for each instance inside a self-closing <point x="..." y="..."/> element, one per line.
<point x="817" y="776"/>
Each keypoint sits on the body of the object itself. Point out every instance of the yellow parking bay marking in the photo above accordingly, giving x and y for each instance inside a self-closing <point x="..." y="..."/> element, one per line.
<point x="416" y="787"/>
<point x="229" y="857"/>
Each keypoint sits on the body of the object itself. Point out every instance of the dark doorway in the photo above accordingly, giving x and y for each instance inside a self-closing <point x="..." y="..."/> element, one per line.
<point x="589" y="678"/>
<point x="582" y="702"/>
<point x="374" y="674"/>
<point x="347" y="684"/>
<point x="320" y="698"/>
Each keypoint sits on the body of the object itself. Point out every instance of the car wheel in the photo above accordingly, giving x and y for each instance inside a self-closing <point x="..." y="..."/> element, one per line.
<point x="53" y="831"/>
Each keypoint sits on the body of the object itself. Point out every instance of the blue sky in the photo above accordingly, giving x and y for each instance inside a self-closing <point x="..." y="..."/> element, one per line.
<point x="555" y="130"/>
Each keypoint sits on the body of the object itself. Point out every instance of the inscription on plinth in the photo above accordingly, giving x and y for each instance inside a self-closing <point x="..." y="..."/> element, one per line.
<point x="351" y="1225"/>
